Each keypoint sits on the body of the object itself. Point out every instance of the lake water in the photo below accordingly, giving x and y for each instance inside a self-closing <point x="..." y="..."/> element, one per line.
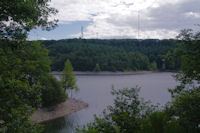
<point x="95" y="90"/>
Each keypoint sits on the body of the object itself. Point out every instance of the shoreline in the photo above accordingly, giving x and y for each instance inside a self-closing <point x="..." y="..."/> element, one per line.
<point x="104" y="73"/>
<point x="66" y="108"/>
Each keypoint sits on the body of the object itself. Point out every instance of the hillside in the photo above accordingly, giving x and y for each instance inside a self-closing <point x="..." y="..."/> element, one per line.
<point x="112" y="55"/>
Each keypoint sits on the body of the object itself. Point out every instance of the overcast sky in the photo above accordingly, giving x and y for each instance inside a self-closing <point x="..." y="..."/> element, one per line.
<point x="104" y="19"/>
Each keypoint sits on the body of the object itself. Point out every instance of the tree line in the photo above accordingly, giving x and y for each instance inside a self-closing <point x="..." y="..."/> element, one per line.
<point x="113" y="55"/>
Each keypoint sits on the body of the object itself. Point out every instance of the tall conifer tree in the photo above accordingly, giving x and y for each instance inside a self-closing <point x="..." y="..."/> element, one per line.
<point x="68" y="79"/>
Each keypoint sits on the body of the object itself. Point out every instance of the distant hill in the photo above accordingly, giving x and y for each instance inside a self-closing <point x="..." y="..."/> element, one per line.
<point x="113" y="54"/>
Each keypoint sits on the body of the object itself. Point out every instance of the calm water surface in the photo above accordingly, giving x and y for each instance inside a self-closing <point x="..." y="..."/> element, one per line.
<point x="95" y="90"/>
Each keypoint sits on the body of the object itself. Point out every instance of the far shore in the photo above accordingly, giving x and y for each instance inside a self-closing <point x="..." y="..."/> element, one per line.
<point x="54" y="112"/>
<point x="104" y="73"/>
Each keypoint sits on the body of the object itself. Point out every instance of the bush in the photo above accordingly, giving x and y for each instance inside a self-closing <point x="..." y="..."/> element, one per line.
<point x="125" y="116"/>
<point x="52" y="91"/>
<point x="129" y="114"/>
<point x="159" y="122"/>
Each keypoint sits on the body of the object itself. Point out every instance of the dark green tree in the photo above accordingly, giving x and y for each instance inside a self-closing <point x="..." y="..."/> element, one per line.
<point x="52" y="91"/>
<point x="159" y="122"/>
<point x="21" y="63"/>
<point x="97" y="68"/>
<point x="20" y="88"/>
<point x="153" y="66"/>
<point x="185" y="104"/>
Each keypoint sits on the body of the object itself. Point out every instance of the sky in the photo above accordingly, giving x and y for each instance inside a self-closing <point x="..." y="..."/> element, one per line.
<point x="120" y="19"/>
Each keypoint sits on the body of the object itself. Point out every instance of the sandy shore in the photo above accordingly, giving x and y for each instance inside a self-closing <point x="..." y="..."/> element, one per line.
<point x="66" y="108"/>
<point x="104" y="73"/>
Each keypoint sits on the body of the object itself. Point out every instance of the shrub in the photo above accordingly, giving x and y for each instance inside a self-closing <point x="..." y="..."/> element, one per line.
<point x="52" y="91"/>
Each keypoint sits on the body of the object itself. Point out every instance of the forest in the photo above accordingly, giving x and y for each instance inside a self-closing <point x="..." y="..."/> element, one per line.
<point x="113" y="54"/>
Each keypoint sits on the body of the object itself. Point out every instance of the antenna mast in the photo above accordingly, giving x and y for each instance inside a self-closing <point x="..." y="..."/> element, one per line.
<point x="138" y="24"/>
<point x="81" y="32"/>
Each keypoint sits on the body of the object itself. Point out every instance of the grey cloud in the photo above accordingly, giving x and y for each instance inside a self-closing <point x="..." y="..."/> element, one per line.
<point x="168" y="16"/>
<point x="173" y="16"/>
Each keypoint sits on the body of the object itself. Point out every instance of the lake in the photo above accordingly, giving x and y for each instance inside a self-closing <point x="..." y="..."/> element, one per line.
<point x="95" y="90"/>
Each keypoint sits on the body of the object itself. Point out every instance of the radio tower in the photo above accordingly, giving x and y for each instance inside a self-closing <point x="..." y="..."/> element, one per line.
<point x="81" y="32"/>
<point x="138" y="24"/>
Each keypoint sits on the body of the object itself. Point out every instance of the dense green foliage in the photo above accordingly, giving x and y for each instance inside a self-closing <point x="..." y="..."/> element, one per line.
<point x="52" y="91"/>
<point x="186" y="96"/>
<point x="23" y="65"/>
<point x="159" y="122"/>
<point x="189" y="51"/>
<point x="112" y="55"/>
<point x="153" y="66"/>
<point x="25" y="82"/>
<point x="19" y="87"/>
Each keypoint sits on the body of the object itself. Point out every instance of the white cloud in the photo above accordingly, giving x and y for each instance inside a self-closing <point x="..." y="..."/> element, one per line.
<point x="43" y="38"/>
<point x="193" y="14"/>
<point x="108" y="30"/>
<point x="82" y="10"/>
<point x="119" y="18"/>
